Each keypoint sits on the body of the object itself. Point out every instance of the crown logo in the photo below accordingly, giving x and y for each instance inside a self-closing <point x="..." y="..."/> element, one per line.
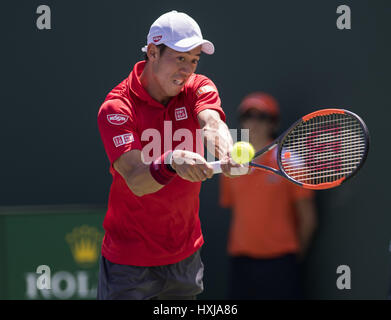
<point x="84" y="242"/>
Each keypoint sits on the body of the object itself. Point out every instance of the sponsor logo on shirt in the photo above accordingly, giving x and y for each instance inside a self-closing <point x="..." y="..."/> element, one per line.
<point x="204" y="89"/>
<point x="117" y="119"/>
<point x="123" y="139"/>
<point x="156" y="38"/>
<point x="180" y="113"/>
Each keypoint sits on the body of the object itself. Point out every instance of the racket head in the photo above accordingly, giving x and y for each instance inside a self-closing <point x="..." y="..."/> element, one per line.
<point x="323" y="149"/>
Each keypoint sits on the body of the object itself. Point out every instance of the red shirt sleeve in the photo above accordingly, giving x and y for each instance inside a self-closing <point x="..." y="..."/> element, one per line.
<point x="206" y="96"/>
<point x="117" y="127"/>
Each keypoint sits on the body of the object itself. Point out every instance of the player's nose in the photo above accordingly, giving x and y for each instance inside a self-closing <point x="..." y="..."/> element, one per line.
<point x="186" y="70"/>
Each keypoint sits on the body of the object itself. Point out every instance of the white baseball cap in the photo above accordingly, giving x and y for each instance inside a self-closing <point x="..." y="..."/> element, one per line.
<point x="178" y="31"/>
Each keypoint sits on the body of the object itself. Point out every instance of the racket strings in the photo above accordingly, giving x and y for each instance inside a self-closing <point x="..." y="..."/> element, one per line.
<point x="316" y="165"/>
<point x="345" y="133"/>
<point x="325" y="155"/>
<point x="323" y="149"/>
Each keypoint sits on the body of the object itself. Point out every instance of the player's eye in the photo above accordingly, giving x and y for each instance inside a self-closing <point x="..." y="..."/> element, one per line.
<point x="181" y="59"/>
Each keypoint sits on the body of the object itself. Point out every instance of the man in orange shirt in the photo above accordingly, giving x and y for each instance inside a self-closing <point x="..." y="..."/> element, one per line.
<point x="273" y="219"/>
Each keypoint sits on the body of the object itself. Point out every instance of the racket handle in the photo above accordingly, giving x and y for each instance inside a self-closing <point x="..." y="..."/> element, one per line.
<point x="216" y="166"/>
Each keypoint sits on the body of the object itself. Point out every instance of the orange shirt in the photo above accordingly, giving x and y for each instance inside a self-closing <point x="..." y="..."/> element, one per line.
<point x="263" y="220"/>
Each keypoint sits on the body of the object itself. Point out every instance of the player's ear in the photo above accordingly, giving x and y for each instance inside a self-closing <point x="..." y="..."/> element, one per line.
<point x="152" y="52"/>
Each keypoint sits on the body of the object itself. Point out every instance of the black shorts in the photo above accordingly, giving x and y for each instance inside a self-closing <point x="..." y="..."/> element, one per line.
<point x="179" y="281"/>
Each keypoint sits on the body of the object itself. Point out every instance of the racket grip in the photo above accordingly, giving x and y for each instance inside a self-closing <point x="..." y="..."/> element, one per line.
<point x="216" y="166"/>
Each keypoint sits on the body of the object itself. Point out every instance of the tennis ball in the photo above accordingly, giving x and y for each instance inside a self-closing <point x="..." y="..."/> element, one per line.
<point x="242" y="152"/>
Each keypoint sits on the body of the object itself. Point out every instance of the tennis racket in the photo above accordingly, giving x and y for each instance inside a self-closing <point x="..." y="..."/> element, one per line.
<point x="319" y="151"/>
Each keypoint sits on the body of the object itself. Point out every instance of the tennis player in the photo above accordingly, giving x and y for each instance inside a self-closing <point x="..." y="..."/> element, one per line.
<point x="151" y="248"/>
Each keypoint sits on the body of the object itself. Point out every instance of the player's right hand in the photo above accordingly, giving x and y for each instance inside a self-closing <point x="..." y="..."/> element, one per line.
<point x="191" y="166"/>
<point x="232" y="169"/>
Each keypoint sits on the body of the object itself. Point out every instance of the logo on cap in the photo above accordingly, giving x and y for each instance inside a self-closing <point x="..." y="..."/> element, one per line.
<point x="156" y="38"/>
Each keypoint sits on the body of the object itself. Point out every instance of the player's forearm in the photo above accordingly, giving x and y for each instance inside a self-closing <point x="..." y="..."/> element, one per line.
<point x="217" y="137"/>
<point x="141" y="182"/>
<point x="136" y="173"/>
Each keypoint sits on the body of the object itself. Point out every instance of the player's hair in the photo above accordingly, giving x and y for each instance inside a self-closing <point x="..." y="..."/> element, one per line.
<point x="161" y="47"/>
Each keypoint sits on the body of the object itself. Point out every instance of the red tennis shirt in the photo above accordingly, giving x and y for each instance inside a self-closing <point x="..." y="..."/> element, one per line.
<point x="162" y="227"/>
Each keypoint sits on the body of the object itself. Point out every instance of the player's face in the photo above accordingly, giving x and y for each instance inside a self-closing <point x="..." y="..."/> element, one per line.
<point x="172" y="69"/>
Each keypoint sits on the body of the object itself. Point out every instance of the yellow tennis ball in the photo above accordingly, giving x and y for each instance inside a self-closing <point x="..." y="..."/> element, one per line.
<point x="242" y="152"/>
